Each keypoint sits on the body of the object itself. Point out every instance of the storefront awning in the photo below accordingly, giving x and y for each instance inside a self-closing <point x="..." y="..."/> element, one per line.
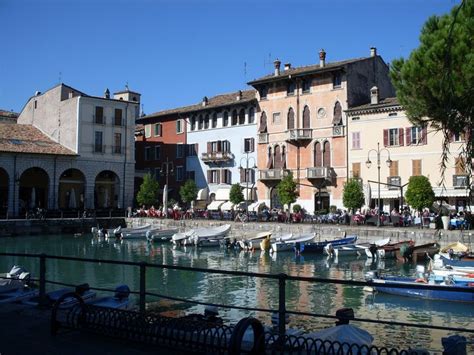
<point x="215" y="205"/>
<point x="227" y="206"/>
<point x="256" y="206"/>
<point x="222" y="195"/>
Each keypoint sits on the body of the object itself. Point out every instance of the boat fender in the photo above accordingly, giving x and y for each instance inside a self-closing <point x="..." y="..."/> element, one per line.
<point x="421" y="280"/>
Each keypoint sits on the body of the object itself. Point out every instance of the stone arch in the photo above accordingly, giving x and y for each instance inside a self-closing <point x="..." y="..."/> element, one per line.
<point x="263" y="123"/>
<point x="306" y="117"/>
<point x="106" y="190"/>
<point x="317" y="155"/>
<point x="242" y="116"/>
<point x="4" y="184"/>
<point x="326" y="154"/>
<point x="291" y="118"/>
<point x="34" y="189"/>
<point x="337" y="114"/>
<point x="274" y="199"/>
<point x="71" y="189"/>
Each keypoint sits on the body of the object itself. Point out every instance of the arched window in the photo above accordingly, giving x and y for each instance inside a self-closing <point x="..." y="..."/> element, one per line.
<point x="326" y="154"/>
<point x="306" y="117"/>
<point x="242" y="116"/>
<point x="201" y="122"/>
<point x="291" y="118"/>
<point x="193" y="123"/>
<point x="214" y="120"/>
<point x="263" y="123"/>
<point x="337" y="117"/>
<point x="283" y="157"/>
<point x="225" y="119"/>
<point x="234" y="118"/>
<point x="206" y="122"/>
<point x="251" y="115"/>
<point x="270" y="158"/>
<point x="317" y="155"/>
<point x="278" y="163"/>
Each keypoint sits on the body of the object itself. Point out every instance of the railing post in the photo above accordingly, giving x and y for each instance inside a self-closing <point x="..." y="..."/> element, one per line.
<point x="281" y="308"/>
<point x="42" y="280"/>
<point x="142" y="286"/>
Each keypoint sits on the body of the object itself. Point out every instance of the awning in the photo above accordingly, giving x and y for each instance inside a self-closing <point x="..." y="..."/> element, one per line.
<point x="256" y="206"/>
<point x="215" y="205"/>
<point x="222" y="195"/>
<point x="251" y="193"/>
<point x="227" y="206"/>
<point x="386" y="194"/>
<point x="203" y="194"/>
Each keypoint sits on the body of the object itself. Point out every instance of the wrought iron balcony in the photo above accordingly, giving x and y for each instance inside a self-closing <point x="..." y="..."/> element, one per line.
<point x="213" y="157"/>
<point x="394" y="182"/>
<point x="460" y="181"/>
<point x="273" y="174"/>
<point x="322" y="172"/>
<point x="338" y="131"/>
<point x="262" y="138"/>
<point x="299" y="134"/>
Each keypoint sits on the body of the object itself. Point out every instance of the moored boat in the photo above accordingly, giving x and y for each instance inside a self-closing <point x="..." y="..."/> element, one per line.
<point x="252" y="241"/>
<point x="420" y="252"/>
<point x="318" y="247"/>
<point x="120" y="300"/>
<point x="291" y="244"/>
<point x="345" y="250"/>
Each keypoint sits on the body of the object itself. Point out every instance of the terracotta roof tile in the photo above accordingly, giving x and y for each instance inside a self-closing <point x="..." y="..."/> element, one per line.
<point x="22" y="138"/>
<point x="388" y="102"/>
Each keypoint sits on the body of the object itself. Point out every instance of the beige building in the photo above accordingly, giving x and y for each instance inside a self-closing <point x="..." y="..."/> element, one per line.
<point x="412" y="151"/>
<point x="302" y="128"/>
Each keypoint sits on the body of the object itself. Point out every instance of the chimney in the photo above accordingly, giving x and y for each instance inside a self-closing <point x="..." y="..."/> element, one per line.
<point x="322" y="58"/>
<point x="373" y="51"/>
<point x="374" y="95"/>
<point x="204" y="101"/>
<point x="107" y="93"/>
<point x="239" y="95"/>
<point x="277" y="64"/>
<point x="287" y="66"/>
<point x="37" y="93"/>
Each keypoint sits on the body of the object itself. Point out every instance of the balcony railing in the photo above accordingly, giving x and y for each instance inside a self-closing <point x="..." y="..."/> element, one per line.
<point x="273" y="174"/>
<point x="217" y="157"/>
<point x="262" y="138"/>
<point x="299" y="134"/>
<point x="460" y="181"/>
<point x="394" y="182"/>
<point x="338" y="131"/>
<point x="99" y="148"/>
<point x="322" y="172"/>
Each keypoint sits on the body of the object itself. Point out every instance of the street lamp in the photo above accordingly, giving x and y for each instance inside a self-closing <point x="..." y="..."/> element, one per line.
<point x="368" y="163"/>
<point x="247" y="160"/>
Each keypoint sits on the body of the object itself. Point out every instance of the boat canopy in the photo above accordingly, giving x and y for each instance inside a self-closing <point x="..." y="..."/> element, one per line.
<point x="215" y="205"/>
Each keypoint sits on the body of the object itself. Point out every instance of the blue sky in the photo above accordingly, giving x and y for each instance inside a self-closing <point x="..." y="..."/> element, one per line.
<point x="176" y="52"/>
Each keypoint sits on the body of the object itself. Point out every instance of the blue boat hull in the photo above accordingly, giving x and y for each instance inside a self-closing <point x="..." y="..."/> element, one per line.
<point x="318" y="247"/>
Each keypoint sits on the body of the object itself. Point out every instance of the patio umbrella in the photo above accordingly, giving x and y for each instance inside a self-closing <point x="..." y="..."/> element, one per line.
<point x="367" y="194"/>
<point x="33" y="198"/>
<point x="165" y="200"/>
<point x="72" y="199"/>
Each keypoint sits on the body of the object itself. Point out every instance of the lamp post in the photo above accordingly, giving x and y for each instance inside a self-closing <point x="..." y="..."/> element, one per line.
<point x="247" y="160"/>
<point x="369" y="164"/>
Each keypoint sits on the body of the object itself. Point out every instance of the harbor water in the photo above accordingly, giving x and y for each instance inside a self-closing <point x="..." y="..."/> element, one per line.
<point x="245" y="291"/>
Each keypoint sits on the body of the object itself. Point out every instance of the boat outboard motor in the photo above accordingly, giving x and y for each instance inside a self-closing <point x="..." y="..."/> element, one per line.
<point x="344" y="315"/>
<point x="121" y="292"/>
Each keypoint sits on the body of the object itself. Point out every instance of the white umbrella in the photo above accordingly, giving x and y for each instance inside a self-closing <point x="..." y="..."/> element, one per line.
<point x="165" y="200"/>
<point x="72" y="199"/>
<point x="33" y="198"/>
<point x="367" y="194"/>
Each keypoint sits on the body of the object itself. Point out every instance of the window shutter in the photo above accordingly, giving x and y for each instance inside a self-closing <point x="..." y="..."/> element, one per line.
<point x="229" y="177"/>
<point x="385" y="137"/>
<point x="196" y="146"/>
<point x="209" y="176"/>
<point x="270" y="160"/>
<point x="222" y="176"/>
<point x="219" y="146"/>
<point x="400" y="136"/>
<point x="209" y="147"/>
<point x="252" y="144"/>
<point x="424" y="136"/>
<point x="408" y="135"/>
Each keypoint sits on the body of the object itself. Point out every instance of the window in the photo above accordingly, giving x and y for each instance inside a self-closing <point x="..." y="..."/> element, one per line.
<point x="157" y="129"/>
<point x="225" y="119"/>
<point x="416" y="167"/>
<point x="225" y="146"/>
<point x="214" y="120"/>
<point x="249" y="145"/>
<point x="149" y="153"/>
<point x="263" y="91"/>
<point x="234" y="118"/>
<point x="306" y="117"/>
<point x="98" y="147"/>
<point x="179" y="173"/>
<point x="242" y="116"/>
<point x="179" y="126"/>
<point x="118" y="117"/>
<point x="415" y="135"/>
<point x="193" y="123"/>
<point x="326" y="154"/>
<point x="336" y="80"/>
<point x="247" y="175"/>
<point x="306" y="85"/>
<point x="213" y="176"/>
<point x="158" y="152"/>
<point x="226" y="177"/>
<point x="393" y="137"/>
<point x="99" y="114"/>
<point x="201" y="122"/>
<point x="355" y="170"/>
<point x="251" y="115"/>
<point x="337" y="114"/>
<point x="457" y="137"/>
<point x="394" y="168"/>
<point x="192" y="150"/>
<point x="117" y="143"/>
<point x="206" y="122"/>
<point x="290" y="88"/>
<point x="291" y="119"/>
<point x="36" y="104"/>
<point x="179" y="150"/>
<point x="392" y="114"/>
<point x="355" y="140"/>
<point x="147" y="131"/>
<point x="276" y="117"/>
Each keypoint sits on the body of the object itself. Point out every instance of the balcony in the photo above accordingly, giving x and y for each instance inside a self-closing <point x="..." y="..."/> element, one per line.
<point x="272" y="174"/>
<point x="338" y="131"/>
<point x="262" y="138"/>
<point x="460" y="181"/>
<point x="299" y="134"/>
<point x="394" y="182"/>
<point x="322" y="172"/>
<point x="217" y="157"/>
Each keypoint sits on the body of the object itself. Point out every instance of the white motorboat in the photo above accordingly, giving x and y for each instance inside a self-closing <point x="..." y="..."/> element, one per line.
<point x="201" y="236"/>
<point x="345" y="250"/>
<point x="120" y="300"/>
<point x="161" y="235"/>
<point x="290" y="244"/>
<point x="375" y="249"/>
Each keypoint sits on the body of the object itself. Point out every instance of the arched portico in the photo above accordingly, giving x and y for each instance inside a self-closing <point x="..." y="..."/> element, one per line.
<point x="71" y="190"/>
<point x="34" y="189"/>
<point x="4" y="187"/>
<point x="106" y="190"/>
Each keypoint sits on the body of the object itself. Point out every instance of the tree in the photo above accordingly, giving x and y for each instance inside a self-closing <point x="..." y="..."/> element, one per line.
<point x="286" y="190"/>
<point x="353" y="195"/>
<point x="435" y="84"/>
<point x="419" y="193"/>
<point x="148" y="193"/>
<point x="188" y="191"/>
<point x="236" y="196"/>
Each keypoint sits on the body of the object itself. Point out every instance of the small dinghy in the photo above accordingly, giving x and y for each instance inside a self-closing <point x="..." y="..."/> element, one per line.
<point x="82" y="290"/>
<point x="292" y="243"/>
<point x="202" y="236"/>
<point x="318" y="247"/>
<point x="345" y="250"/>
<point x="15" y="286"/>
<point x="252" y="241"/>
<point x="161" y="235"/>
<point x="120" y="300"/>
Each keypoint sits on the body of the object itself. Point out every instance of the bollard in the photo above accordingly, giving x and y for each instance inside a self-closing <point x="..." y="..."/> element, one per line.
<point x="142" y="301"/>
<point x="42" y="281"/>
<point x="281" y="308"/>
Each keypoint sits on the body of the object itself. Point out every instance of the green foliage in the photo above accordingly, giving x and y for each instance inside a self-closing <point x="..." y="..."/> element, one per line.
<point x="296" y="208"/>
<point x="353" y="195"/>
<point x="236" y="196"/>
<point x="435" y="84"/>
<point x="148" y="193"/>
<point x="286" y="190"/>
<point x="419" y="193"/>
<point x="332" y="209"/>
<point x="188" y="191"/>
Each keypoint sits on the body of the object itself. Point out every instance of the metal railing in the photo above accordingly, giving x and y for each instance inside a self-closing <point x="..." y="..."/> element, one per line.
<point x="282" y="287"/>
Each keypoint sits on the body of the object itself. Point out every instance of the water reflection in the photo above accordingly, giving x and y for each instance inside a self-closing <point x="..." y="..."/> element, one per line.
<point x="320" y="298"/>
